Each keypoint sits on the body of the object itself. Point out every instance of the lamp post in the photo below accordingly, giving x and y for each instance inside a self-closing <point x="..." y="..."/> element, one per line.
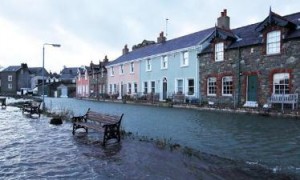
<point x="43" y="70"/>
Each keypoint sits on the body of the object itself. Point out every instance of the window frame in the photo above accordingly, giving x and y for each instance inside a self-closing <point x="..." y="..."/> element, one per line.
<point x="9" y="86"/>
<point x="131" y="67"/>
<point x="112" y="71"/>
<point x="184" y="59"/>
<point x="148" y="64"/>
<point x="178" y="88"/>
<point x="281" y="77"/>
<point x="9" y="78"/>
<point x="229" y="87"/>
<point x="121" y="69"/>
<point x="145" y="84"/>
<point x="152" y="86"/>
<point x="189" y="86"/>
<point x="219" y="52"/>
<point x="164" y="62"/>
<point x="273" y="42"/>
<point x="129" y="88"/>
<point x="135" y="87"/>
<point x="212" y="86"/>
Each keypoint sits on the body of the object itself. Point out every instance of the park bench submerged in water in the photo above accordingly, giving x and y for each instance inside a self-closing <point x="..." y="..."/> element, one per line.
<point x="3" y="102"/>
<point x="32" y="108"/>
<point x="106" y="123"/>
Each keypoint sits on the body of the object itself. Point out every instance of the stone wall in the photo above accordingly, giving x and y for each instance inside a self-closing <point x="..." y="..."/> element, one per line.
<point x="253" y="61"/>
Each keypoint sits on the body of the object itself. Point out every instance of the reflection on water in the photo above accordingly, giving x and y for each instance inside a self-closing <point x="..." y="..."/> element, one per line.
<point x="268" y="141"/>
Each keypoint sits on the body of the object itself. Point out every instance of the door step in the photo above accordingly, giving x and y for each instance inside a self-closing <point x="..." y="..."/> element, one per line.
<point x="250" y="104"/>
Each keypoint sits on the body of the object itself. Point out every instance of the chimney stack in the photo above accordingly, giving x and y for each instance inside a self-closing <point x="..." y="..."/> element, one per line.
<point x="224" y="20"/>
<point x="125" y="50"/>
<point x="105" y="60"/>
<point x="161" y="38"/>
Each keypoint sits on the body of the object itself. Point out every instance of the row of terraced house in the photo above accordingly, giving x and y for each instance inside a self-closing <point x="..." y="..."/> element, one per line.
<point x="219" y="65"/>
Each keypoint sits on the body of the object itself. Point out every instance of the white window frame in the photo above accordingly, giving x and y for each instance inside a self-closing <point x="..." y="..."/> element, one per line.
<point x="273" y="42"/>
<point x="219" y="52"/>
<point x="226" y="88"/>
<point x="152" y="86"/>
<point x="115" y="89"/>
<point x="9" y="78"/>
<point x="129" y="88"/>
<point x="188" y="86"/>
<point x="121" y="69"/>
<point x="110" y="88"/>
<point x="211" y="84"/>
<point x="9" y="86"/>
<point x="145" y="87"/>
<point x="164" y="62"/>
<point x="281" y="83"/>
<point x="135" y="87"/>
<point x="148" y="65"/>
<point x="184" y="59"/>
<point x="177" y="85"/>
<point x="131" y="67"/>
<point x="112" y="71"/>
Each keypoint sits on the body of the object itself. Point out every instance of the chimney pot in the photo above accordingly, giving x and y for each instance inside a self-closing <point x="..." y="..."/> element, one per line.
<point x="161" y="38"/>
<point x="224" y="20"/>
<point x="125" y="50"/>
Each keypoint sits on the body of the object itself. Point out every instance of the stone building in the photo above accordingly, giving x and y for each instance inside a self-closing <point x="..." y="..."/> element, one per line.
<point x="98" y="78"/>
<point x="246" y="65"/>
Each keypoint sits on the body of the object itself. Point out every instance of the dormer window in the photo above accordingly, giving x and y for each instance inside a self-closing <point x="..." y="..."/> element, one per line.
<point x="273" y="42"/>
<point x="219" y="52"/>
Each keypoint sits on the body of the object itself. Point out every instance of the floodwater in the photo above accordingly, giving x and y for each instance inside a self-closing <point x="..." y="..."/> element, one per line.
<point x="271" y="142"/>
<point x="31" y="148"/>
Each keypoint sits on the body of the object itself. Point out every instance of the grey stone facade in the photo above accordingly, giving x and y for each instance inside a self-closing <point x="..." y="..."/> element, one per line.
<point x="250" y="59"/>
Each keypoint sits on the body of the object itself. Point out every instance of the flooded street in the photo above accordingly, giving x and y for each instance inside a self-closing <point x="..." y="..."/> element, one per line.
<point x="272" y="142"/>
<point x="231" y="146"/>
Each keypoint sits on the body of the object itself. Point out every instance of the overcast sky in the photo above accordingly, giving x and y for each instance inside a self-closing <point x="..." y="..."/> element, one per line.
<point x="90" y="29"/>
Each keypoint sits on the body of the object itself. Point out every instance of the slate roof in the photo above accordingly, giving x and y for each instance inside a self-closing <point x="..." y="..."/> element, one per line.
<point x="11" y="69"/>
<point x="38" y="71"/>
<point x="251" y="35"/>
<point x="68" y="73"/>
<point x="246" y="35"/>
<point x="171" y="45"/>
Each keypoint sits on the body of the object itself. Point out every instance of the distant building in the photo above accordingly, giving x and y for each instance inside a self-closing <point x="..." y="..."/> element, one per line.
<point x="15" y="78"/>
<point x="36" y="74"/>
<point x="82" y="82"/>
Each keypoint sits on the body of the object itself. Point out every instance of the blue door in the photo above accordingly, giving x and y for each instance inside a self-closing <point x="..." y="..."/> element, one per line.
<point x="252" y="88"/>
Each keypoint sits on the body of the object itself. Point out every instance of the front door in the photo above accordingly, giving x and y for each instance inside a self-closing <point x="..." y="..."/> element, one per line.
<point x="252" y="88"/>
<point x="165" y="90"/>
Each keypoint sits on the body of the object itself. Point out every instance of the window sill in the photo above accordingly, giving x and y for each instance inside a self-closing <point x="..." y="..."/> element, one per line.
<point x="183" y="66"/>
<point x="227" y="95"/>
<point x="270" y="55"/>
<point x="212" y="95"/>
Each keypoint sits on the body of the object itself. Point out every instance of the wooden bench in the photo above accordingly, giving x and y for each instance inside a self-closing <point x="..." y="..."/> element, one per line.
<point x="284" y="99"/>
<point x="32" y="108"/>
<point x="3" y="102"/>
<point x="109" y="124"/>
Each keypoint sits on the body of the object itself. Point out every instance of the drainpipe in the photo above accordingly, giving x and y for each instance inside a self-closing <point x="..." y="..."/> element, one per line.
<point x="239" y="76"/>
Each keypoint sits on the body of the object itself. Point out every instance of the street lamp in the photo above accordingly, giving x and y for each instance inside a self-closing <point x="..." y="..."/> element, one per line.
<point x="43" y="70"/>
